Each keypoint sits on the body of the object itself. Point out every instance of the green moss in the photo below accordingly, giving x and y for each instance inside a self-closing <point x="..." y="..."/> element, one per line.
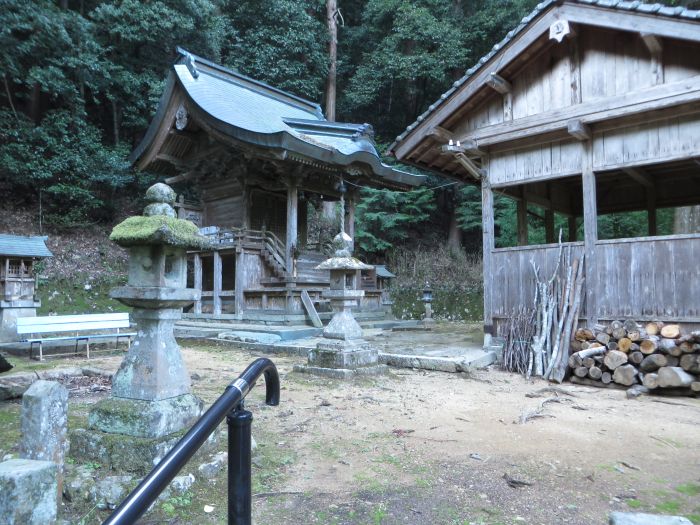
<point x="157" y="230"/>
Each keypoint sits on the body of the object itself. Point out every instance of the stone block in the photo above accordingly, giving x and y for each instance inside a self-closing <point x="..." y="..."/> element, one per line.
<point x="343" y="354"/>
<point x="44" y="422"/>
<point x="148" y="419"/>
<point x="124" y="453"/>
<point x="110" y="491"/>
<point x="28" y="492"/>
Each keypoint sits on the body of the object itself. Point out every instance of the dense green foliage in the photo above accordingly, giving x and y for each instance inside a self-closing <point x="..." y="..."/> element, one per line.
<point x="81" y="80"/>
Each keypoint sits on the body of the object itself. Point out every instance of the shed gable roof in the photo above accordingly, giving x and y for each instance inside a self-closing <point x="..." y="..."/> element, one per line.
<point x="21" y="246"/>
<point x="685" y="28"/>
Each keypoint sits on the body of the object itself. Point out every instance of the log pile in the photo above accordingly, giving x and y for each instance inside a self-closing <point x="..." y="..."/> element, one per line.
<point x="656" y="356"/>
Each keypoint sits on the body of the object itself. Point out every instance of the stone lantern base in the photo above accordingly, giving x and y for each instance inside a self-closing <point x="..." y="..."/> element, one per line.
<point x="343" y="360"/>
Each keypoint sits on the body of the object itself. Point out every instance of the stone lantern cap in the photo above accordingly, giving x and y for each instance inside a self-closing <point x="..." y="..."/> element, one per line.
<point x="342" y="258"/>
<point x="159" y="226"/>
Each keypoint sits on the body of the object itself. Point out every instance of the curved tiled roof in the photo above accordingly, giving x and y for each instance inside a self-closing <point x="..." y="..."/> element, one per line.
<point x="260" y="115"/>
<point x="650" y="9"/>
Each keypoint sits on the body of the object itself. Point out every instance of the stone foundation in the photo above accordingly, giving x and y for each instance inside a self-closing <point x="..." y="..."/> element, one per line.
<point x="119" y="452"/>
<point x="28" y="492"/>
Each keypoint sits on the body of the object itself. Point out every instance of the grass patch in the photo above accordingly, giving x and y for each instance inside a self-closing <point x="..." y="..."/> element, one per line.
<point x="695" y="518"/>
<point x="634" y="503"/>
<point x="689" y="489"/>
<point x="668" y="507"/>
<point x="64" y="297"/>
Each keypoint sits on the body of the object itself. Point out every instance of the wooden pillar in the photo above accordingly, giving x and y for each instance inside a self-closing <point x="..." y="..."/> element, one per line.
<point x="198" y="281"/>
<point x="292" y="218"/>
<point x="522" y="220"/>
<point x="651" y="211"/>
<point x="350" y="215"/>
<point x="488" y="245"/>
<point x="573" y="229"/>
<point x="241" y="278"/>
<point x="216" y="294"/>
<point x="549" y="226"/>
<point x="590" y="228"/>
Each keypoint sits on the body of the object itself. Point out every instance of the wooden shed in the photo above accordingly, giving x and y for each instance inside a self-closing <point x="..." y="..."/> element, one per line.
<point x="588" y="107"/>
<point x="251" y="158"/>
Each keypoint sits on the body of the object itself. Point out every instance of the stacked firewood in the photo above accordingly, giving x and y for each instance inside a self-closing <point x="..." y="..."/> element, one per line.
<point x="625" y="353"/>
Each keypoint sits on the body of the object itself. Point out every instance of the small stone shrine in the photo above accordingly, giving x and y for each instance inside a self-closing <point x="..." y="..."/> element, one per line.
<point x="151" y="404"/>
<point x="343" y="353"/>
<point x="18" y="254"/>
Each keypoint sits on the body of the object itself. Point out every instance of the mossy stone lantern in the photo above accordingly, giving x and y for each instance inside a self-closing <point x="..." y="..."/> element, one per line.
<point x="151" y="395"/>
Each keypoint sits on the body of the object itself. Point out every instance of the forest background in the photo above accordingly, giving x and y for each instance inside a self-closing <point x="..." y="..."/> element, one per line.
<point x="82" y="78"/>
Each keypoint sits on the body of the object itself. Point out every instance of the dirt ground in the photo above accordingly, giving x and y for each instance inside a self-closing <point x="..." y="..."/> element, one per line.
<point x="417" y="447"/>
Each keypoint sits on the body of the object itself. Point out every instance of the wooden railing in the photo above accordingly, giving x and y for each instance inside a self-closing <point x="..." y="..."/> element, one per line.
<point x="265" y="241"/>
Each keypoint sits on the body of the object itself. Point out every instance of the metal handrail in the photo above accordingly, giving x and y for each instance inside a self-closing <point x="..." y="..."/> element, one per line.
<point x="229" y="406"/>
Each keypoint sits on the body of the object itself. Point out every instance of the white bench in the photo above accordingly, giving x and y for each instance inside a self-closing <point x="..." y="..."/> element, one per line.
<point x="80" y="324"/>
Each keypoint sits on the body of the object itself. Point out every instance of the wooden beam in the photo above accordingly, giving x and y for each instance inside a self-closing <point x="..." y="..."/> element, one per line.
<point x="655" y="47"/>
<point x="198" y="281"/>
<point x="639" y="176"/>
<point x="651" y="212"/>
<point x="488" y="236"/>
<point x="574" y="58"/>
<point x="182" y="177"/>
<point x="631" y="21"/>
<point x="350" y="215"/>
<point x="549" y="226"/>
<point x="649" y="99"/>
<point x="216" y="295"/>
<point x="578" y="130"/>
<point x="469" y="165"/>
<point x="590" y="228"/>
<point x="292" y="217"/>
<point x="522" y="221"/>
<point x="240" y="280"/>
<point x="573" y="229"/>
<point x="653" y="43"/>
<point x="498" y="83"/>
<point x="175" y="161"/>
<point x="440" y="135"/>
<point x="508" y="107"/>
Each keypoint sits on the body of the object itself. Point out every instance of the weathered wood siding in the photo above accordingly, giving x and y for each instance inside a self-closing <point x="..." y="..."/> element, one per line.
<point x="546" y="161"/>
<point x="612" y="63"/>
<point x="655" y="141"/>
<point x="643" y="278"/>
<point x="223" y="204"/>
<point x="513" y="276"/>
<point x="649" y="277"/>
<point x="663" y="140"/>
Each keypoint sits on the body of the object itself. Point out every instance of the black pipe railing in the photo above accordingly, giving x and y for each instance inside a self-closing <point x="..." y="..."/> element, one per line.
<point x="239" y="420"/>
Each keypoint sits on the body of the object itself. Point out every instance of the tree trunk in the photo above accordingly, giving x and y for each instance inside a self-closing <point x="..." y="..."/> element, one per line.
<point x="331" y="12"/>
<point x="454" y="234"/>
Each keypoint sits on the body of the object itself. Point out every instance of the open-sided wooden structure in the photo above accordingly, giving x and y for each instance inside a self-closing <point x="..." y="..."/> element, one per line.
<point x="588" y="107"/>
<point x="253" y="157"/>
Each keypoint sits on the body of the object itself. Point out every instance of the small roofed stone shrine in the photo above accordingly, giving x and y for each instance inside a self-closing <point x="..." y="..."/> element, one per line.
<point x="151" y="402"/>
<point x="251" y="161"/>
<point x="18" y="255"/>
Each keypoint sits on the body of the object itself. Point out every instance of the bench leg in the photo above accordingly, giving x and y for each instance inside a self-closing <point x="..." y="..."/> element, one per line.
<point x="41" y="351"/>
<point x="87" y="348"/>
<point x="75" y="350"/>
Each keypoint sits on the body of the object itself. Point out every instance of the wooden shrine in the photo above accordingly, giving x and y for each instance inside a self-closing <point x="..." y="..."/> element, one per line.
<point x="586" y="108"/>
<point x="251" y="159"/>
<point x="18" y="254"/>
